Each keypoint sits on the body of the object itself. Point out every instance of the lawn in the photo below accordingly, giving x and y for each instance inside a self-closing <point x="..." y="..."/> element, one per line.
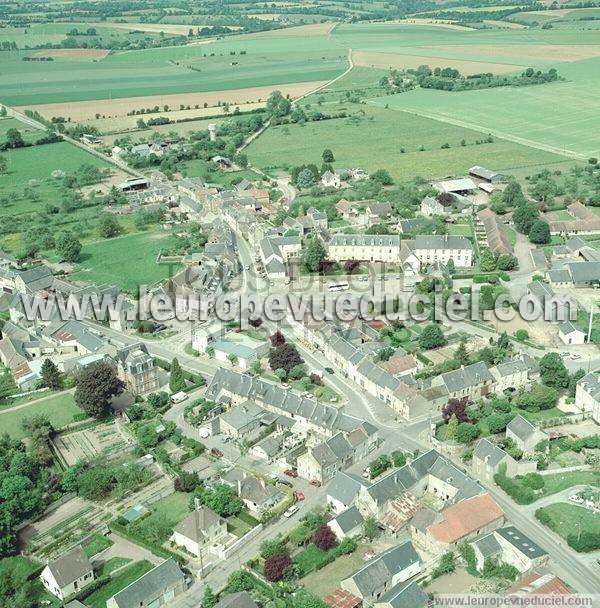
<point x="112" y="564"/>
<point x="565" y="519"/>
<point x="28" y="184"/>
<point x="376" y="140"/>
<point x="98" y="598"/>
<point x="28" y="133"/>
<point x="61" y="410"/>
<point x="325" y="580"/>
<point x="562" y="481"/>
<point x="96" y="544"/>
<point x="164" y="515"/>
<point x="127" y="261"/>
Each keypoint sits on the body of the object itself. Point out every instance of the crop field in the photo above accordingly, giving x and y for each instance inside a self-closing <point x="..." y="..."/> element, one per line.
<point x="376" y="140"/>
<point x="60" y="410"/>
<point x="28" y="184"/>
<point x="228" y="64"/>
<point x="126" y="261"/>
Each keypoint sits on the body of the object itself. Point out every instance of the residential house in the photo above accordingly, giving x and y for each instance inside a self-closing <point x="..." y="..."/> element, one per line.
<point x="68" y="574"/>
<point x="587" y="396"/>
<point x="376" y="213"/>
<point x="510" y="546"/>
<point x="364" y="247"/>
<point x="525" y="435"/>
<point x="436" y="206"/>
<point x="434" y="248"/>
<point x="570" y="334"/>
<point x="472" y="381"/>
<point x="405" y="595"/>
<point x="537" y="583"/>
<point x="276" y="252"/>
<point x="343" y="490"/>
<point x="347" y="209"/>
<point x="241" y="420"/>
<point x="267" y="449"/>
<point x="331" y="180"/>
<point x="487" y="460"/>
<point x="383" y="572"/>
<point x="347" y="523"/>
<point x="258" y="496"/>
<point x="199" y="530"/>
<point x="137" y="370"/>
<point x="154" y="589"/>
<point x="322" y="461"/>
<point x="495" y="231"/>
<point x="441" y="532"/>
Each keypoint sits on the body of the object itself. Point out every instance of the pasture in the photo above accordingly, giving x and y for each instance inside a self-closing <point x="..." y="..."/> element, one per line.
<point x="376" y="140"/>
<point x="28" y="133"/>
<point x="28" y="184"/>
<point x="126" y="261"/>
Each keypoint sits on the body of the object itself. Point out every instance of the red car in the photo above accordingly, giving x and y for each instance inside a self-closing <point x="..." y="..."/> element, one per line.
<point x="291" y="473"/>
<point x="216" y="453"/>
<point x="298" y="495"/>
<point x="315" y="482"/>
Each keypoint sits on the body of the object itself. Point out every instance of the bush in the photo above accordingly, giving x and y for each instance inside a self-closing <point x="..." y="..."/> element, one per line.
<point x="275" y="565"/>
<point x="324" y="537"/>
<point x="584" y="542"/>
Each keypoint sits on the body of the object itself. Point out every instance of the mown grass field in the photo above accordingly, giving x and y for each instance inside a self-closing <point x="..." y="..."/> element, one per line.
<point x="29" y="133"/>
<point x="117" y="583"/>
<point x="60" y="410"/>
<point x="28" y="184"/>
<point x="126" y="261"/>
<point x="568" y="519"/>
<point x="376" y="140"/>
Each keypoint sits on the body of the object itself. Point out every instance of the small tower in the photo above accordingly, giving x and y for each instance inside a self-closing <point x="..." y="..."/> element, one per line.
<point x="212" y="131"/>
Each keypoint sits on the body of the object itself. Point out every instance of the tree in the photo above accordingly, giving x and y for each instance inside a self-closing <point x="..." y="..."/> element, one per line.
<point x="278" y="105"/>
<point x="305" y="179"/>
<point x="284" y="357"/>
<point x="398" y="458"/>
<point x="524" y="216"/>
<point x="553" y="371"/>
<point x="327" y="156"/>
<point x="445" y="565"/>
<point x="539" y="232"/>
<point x="324" y="537"/>
<point x="108" y="226"/>
<point x="487" y="260"/>
<point x="573" y="380"/>
<point x="239" y="580"/>
<point x="455" y="407"/>
<point x="370" y="528"/>
<point x="539" y="397"/>
<point x="466" y="432"/>
<point x="277" y="339"/>
<point x="451" y="428"/>
<point x="232" y="358"/>
<point x="461" y="354"/>
<point x="507" y="261"/>
<point x="313" y="254"/>
<point x="208" y="598"/>
<point x="14" y="139"/>
<point x="382" y="177"/>
<point x="176" y="379"/>
<point x="275" y="565"/>
<point x="51" y="377"/>
<point x="186" y="482"/>
<point x="513" y="194"/>
<point x="432" y="337"/>
<point x="68" y="247"/>
<point x="7" y="385"/>
<point x="271" y="546"/>
<point x="221" y="498"/>
<point x="97" y="384"/>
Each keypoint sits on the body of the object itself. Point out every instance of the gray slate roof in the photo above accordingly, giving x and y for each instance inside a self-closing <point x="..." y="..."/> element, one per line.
<point x="349" y="519"/>
<point x="485" y="449"/>
<point x="521" y="542"/>
<point x="236" y="600"/>
<point x="469" y="376"/>
<point x="344" y="487"/>
<point x="521" y="427"/>
<point x="488" y="546"/>
<point x="70" y="566"/>
<point x="442" y="241"/>
<point x="149" y="587"/>
<point x="405" y="595"/>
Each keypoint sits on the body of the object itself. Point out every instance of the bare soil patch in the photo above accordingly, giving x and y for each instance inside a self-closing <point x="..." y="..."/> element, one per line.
<point x="395" y="60"/>
<point x="435" y="22"/>
<point x="313" y="29"/>
<point x="73" y="53"/>
<point x="110" y="108"/>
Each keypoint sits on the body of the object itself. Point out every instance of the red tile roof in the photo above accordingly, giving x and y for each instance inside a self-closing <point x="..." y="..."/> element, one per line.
<point x="465" y="517"/>
<point x="340" y="598"/>
<point x="539" y="584"/>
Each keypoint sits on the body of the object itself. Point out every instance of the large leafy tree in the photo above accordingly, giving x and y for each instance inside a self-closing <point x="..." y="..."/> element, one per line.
<point x="553" y="371"/>
<point x="275" y="566"/>
<point x="324" y="537"/>
<point x="68" y="246"/>
<point x="51" y="377"/>
<point x="432" y="337"/>
<point x="97" y="384"/>
<point x="524" y="216"/>
<point x="285" y="356"/>
<point x="177" y="378"/>
<point x="539" y="232"/>
<point x="313" y="254"/>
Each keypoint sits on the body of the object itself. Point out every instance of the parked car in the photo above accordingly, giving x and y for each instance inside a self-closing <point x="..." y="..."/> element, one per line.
<point x="576" y="498"/>
<point x="575" y="356"/>
<point x="329" y="370"/>
<point x="565" y="354"/>
<point x="293" y="509"/>
<point x="315" y="482"/>
<point x="216" y="453"/>
<point x="290" y="473"/>
<point x="298" y="495"/>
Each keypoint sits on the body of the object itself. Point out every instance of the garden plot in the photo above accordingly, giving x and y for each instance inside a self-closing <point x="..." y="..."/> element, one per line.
<point x="88" y="443"/>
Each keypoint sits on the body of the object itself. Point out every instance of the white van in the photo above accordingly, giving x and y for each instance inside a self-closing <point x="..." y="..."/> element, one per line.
<point x="179" y="397"/>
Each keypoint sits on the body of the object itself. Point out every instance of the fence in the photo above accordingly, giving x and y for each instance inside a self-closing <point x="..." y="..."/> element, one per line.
<point x="228" y="551"/>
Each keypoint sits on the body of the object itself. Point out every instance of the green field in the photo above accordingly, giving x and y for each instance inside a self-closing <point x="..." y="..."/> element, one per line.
<point x="28" y="184"/>
<point x="177" y="69"/>
<point x="60" y="410"/>
<point x="29" y="133"/>
<point x="375" y="141"/>
<point x="126" y="261"/>
<point x="164" y="516"/>
<point x="568" y="519"/>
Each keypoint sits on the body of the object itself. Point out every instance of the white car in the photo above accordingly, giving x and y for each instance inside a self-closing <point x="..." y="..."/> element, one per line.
<point x="575" y="356"/>
<point x="576" y="498"/>
<point x="293" y="509"/>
